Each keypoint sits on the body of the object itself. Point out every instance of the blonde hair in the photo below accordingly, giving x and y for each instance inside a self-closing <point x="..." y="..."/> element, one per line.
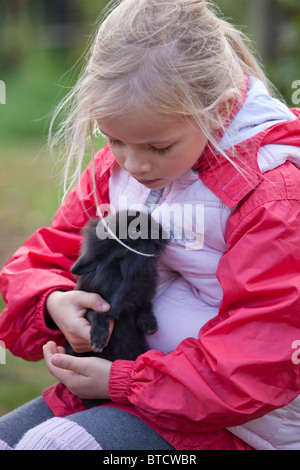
<point x="178" y="57"/>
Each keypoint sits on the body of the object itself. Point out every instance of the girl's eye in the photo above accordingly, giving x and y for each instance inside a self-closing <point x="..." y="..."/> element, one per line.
<point x="114" y="142"/>
<point x="162" y="151"/>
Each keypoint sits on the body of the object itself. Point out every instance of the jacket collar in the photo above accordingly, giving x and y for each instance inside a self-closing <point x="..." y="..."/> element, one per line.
<point x="234" y="177"/>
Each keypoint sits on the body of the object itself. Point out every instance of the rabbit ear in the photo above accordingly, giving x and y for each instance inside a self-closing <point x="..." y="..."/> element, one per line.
<point x="82" y="266"/>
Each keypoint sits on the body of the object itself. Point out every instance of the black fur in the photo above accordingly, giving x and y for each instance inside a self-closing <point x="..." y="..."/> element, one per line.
<point x="124" y="279"/>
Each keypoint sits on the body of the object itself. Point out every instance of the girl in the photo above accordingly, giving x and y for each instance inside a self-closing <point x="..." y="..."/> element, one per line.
<point x="190" y="122"/>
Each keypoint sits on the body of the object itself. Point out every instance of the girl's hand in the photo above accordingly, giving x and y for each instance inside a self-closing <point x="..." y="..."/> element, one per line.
<point x="67" y="310"/>
<point x="86" y="377"/>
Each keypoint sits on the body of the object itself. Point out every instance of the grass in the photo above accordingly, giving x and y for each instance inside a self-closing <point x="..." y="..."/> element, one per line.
<point x="21" y="381"/>
<point x="29" y="188"/>
<point x="28" y="194"/>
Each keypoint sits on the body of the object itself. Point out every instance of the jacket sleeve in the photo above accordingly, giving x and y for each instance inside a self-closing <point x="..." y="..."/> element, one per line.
<point x="41" y="266"/>
<point x="240" y="367"/>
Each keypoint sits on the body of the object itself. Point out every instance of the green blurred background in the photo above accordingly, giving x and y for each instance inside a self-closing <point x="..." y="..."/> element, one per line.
<point x="41" y="47"/>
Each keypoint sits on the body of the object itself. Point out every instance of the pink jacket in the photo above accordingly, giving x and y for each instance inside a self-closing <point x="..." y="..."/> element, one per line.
<point x="238" y="365"/>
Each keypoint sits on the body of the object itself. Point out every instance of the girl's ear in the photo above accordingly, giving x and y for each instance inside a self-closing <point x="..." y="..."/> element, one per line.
<point x="82" y="266"/>
<point x="222" y="113"/>
<point x="226" y="108"/>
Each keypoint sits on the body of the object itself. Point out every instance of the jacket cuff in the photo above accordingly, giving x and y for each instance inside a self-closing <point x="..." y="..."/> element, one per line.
<point x="40" y="314"/>
<point x="120" y="381"/>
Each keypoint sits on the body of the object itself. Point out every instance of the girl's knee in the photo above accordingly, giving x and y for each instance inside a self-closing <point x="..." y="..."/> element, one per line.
<point x="58" y="434"/>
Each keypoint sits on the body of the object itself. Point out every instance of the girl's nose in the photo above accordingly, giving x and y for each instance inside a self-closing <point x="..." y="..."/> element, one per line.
<point x="135" y="164"/>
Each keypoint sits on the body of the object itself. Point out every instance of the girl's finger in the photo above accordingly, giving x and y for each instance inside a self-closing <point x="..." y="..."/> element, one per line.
<point x="70" y="363"/>
<point x="49" y="350"/>
<point x="50" y="347"/>
<point x="93" y="301"/>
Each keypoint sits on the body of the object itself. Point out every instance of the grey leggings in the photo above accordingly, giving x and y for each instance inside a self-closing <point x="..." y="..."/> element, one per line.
<point x="111" y="428"/>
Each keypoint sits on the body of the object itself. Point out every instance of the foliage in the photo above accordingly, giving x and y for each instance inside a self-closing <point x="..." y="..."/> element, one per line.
<point x="38" y="70"/>
<point x="282" y="31"/>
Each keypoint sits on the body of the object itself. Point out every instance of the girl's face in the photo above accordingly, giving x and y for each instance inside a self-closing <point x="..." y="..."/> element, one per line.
<point x="154" y="149"/>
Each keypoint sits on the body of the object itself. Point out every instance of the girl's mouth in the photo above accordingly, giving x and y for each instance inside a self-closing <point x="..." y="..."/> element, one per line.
<point x="149" y="182"/>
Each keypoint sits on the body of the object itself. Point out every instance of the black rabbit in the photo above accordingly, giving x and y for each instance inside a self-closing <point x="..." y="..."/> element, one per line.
<point x="126" y="279"/>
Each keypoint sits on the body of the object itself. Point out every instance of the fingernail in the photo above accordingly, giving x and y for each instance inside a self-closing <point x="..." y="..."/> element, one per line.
<point x="105" y="306"/>
<point x="55" y="360"/>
